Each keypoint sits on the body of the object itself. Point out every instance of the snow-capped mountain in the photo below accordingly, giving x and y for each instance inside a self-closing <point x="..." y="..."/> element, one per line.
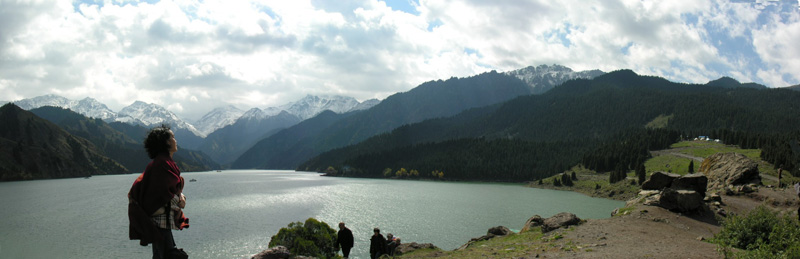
<point x="542" y="78"/>
<point x="152" y="114"/>
<point x="312" y="105"/>
<point x="366" y="105"/>
<point x="88" y="107"/>
<point x="218" y="118"/>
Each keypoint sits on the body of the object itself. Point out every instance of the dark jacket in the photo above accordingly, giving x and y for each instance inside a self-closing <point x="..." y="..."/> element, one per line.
<point x="154" y="188"/>
<point x="344" y="238"/>
<point x="377" y="246"/>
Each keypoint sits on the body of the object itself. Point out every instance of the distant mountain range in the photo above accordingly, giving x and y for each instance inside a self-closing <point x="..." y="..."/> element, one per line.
<point x="535" y="136"/>
<point x="302" y="132"/>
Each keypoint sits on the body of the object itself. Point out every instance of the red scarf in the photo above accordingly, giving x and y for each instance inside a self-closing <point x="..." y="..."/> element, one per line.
<point x="152" y="190"/>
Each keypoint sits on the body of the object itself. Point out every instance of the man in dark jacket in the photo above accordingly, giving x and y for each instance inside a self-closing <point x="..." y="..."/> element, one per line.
<point x="344" y="239"/>
<point x="377" y="244"/>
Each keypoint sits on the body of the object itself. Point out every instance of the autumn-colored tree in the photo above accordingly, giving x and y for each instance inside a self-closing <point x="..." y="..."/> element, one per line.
<point x="401" y="173"/>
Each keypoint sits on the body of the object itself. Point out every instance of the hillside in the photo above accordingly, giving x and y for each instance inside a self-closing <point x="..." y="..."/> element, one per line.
<point x="573" y="119"/>
<point x="123" y="147"/>
<point x="429" y="100"/>
<point x="638" y="230"/>
<point x="34" y="148"/>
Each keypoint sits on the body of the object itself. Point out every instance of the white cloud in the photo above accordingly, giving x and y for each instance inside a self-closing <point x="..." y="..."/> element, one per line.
<point x="197" y="55"/>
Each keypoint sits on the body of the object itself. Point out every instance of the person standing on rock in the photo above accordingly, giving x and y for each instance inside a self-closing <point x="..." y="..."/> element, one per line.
<point x="377" y="244"/>
<point x="344" y="239"/>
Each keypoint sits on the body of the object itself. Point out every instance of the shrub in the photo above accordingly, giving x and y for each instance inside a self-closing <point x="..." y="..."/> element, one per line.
<point x="762" y="233"/>
<point x="312" y="238"/>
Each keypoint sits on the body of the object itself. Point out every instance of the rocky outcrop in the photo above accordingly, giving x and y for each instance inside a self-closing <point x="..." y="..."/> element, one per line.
<point x="725" y="169"/>
<point x="691" y="182"/>
<point x="563" y="219"/>
<point x="273" y="253"/>
<point x="532" y="222"/>
<point x="408" y="247"/>
<point x="677" y="193"/>
<point x="659" y="181"/>
<point x="491" y="233"/>
<point x="680" y="200"/>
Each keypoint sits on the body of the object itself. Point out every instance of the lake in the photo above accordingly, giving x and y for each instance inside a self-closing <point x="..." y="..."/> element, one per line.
<point x="234" y="213"/>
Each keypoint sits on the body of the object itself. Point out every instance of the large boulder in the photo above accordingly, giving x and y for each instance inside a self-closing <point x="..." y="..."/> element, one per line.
<point x="491" y="233"/>
<point x="659" y="181"/>
<point x="680" y="200"/>
<point x="562" y="219"/>
<point x="532" y="222"/>
<point x="405" y="248"/>
<point x="724" y="169"/>
<point x="692" y="182"/>
<point x="499" y="231"/>
<point x="273" y="253"/>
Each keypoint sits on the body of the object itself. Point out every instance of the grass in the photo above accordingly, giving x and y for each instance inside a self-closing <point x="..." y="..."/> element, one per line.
<point x="659" y="122"/>
<point x="589" y="181"/>
<point x="670" y="163"/>
<point x="525" y="244"/>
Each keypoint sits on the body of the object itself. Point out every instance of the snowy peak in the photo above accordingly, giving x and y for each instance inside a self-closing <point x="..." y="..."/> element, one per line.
<point x="218" y="118"/>
<point x="312" y="105"/>
<point x="542" y="78"/>
<point x="254" y="114"/>
<point x="153" y="114"/>
<point x="365" y="105"/>
<point x="93" y="108"/>
<point x="44" y="100"/>
<point x="88" y="107"/>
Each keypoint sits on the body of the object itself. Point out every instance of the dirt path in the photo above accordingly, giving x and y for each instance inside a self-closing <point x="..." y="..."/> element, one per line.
<point x="675" y="152"/>
<point x="653" y="232"/>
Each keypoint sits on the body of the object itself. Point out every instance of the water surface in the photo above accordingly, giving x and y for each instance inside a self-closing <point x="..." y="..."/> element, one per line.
<point x="233" y="214"/>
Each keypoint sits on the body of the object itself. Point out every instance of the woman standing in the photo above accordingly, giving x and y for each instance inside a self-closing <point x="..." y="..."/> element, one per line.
<point x="149" y="209"/>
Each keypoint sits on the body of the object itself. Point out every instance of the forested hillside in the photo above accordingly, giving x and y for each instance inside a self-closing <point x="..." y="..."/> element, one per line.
<point x="583" y="120"/>
<point x="125" y="148"/>
<point x="429" y="100"/>
<point x="34" y="148"/>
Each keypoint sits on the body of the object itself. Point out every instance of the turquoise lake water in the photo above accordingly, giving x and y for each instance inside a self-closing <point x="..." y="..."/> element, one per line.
<point x="233" y="214"/>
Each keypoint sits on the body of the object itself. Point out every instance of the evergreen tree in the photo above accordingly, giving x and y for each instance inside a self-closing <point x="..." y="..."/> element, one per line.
<point x="641" y="173"/>
<point x="691" y="166"/>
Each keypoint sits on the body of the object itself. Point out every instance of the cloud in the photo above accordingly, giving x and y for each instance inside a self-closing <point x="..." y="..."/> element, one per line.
<point x="197" y="55"/>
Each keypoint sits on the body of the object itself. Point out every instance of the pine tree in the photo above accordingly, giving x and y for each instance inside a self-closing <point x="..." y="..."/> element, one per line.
<point x="641" y="173"/>
<point x="691" y="167"/>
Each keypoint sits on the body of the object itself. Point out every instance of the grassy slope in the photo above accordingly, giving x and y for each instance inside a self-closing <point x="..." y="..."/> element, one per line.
<point x="534" y="242"/>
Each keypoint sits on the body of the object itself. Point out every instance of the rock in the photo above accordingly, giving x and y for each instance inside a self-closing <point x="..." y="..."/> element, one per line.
<point x="659" y="181"/>
<point x="499" y="231"/>
<point x="562" y="219"/>
<point x="532" y="222"/>
<point x="714" y="197"/>
<point x="491" y="233"/>
<point x="724" y="169"/>
<point x="680" y="200"/>
<point x="273" y="253"/>
<point x="405" y="248"/>
<point x="692" y="182"/>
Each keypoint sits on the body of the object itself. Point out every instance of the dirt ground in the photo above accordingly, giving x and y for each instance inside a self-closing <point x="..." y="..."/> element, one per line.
<point x="653" y="232"/>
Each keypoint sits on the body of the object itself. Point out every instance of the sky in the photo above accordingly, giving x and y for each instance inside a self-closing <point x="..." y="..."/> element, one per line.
<point x="192" y="56"/>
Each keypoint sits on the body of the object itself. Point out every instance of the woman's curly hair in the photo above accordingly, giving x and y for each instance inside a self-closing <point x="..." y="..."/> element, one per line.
<point x="156" y="141"/>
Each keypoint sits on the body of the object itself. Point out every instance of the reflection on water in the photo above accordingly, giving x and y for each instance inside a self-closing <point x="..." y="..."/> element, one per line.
<point x="234" y="213"/>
